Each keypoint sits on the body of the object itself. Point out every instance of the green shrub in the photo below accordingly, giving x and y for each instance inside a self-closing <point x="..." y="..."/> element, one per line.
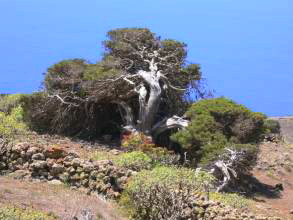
<point x="11" y="213"/>
<point x="164" y="192"/>
<point x="138" y="160"/>
<point x="161" y="156"/>
<point x="8" y="102"/>
<point x="137" y="141"/>
<point x="272" y="126"/>
<point x="12" y="124"/>
<point x="68" y="74"/>
<point x="215" y="123"/>
<point x="243" y="164"/>
<point x="172" y="176"/>
<point x="232" y="199"/>
<point x="135" y="160"/>
<point x="159" y="201"/>
<point x="249" y="159"/>
<point x="64" y="74"/>
<point x="38" y="115"/>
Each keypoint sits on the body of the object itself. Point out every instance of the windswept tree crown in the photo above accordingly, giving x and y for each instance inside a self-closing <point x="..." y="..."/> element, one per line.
<point x="147" y="78"/>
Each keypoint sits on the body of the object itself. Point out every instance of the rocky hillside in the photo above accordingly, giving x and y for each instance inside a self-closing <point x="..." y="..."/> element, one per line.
<point x="275" y="167"/>
<point x="66" y="170"/>
<point x="286" y="124"/>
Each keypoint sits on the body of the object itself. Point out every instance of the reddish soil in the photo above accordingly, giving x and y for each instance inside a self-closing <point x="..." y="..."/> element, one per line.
<point x="275" y="166"/>
<point x="280" y="206"/>
<point x="56" y="199"/>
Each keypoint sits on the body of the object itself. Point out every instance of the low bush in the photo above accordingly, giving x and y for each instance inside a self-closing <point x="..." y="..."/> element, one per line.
<point x="8" y="102"/>
<point x="248" y="159"/>
<point x="137" y="141"/>
<point x="37" y="114"/>
<point x="11" y="212"/>
<point x="164" y="192"/>
<point x="161" y="174"/>
<point x="138" y="160"/>
<point x="232" y="199"/>
<point x="172" y="176"/>
<point x="272" y="126"/>
<point x="216" y="123"/>
<point x="135" y="160"/>
<point x="12" y="124"/>
<point x="159" y="201"/>
<point x="159" y="155"/>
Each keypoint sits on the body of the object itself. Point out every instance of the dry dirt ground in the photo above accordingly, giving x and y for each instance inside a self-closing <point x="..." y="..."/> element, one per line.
<point x="57" y="199"/>
<point x="275" y="165"/>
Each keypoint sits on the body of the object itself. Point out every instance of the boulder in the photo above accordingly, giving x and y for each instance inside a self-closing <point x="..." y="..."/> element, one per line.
<point x="31" y="151"/>
<point x="38" y="164"/>
<point x="88" y="167"/>
<point x="38" y="156"/>
<point x="57" y="169"/>
<point x="2" y="165"/>
<point x="76" y="162"/>
<point x="17" y="148"/>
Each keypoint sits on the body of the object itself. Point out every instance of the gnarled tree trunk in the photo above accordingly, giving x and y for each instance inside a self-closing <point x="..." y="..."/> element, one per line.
<point x="150" y="94"/>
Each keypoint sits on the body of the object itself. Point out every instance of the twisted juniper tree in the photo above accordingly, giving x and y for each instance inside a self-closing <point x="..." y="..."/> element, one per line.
<point x="151" y="67"/>
<point x="145" y="77"/>
<point x="142" y="84"/>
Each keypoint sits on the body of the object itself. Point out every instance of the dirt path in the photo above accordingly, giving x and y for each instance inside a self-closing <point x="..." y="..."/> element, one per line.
<point x="275" y="166"/>
<point x="59" y="200"/>
<point x="284" y="203"/>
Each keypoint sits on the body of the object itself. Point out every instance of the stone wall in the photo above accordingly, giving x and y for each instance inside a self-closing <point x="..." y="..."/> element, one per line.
<point x="56" y="165"/>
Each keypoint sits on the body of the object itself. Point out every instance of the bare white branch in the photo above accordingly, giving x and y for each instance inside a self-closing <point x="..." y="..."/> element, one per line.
<point x="129" y="81"/>
<point x="127" y="115"/>
<point x="227" y="167"/>
<point x="169" y="123"/>
<point x="63" y="101"/>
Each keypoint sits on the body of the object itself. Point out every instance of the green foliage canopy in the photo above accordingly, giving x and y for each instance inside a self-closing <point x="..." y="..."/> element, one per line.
<point x="135" y="160"/>
<point x="64" y="75"/>
<point x="12" y="124"/>
<point x="8" y="102"/>
<point x="272" y="126"/>
<point x="77" y="93"/>
<point x="215" y="123"/>
<point x="11" y="116"/>
<point x="172" y="176"/>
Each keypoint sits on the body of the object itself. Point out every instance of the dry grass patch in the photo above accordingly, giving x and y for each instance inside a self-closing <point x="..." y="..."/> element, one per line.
<point x="57" y="199"/>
